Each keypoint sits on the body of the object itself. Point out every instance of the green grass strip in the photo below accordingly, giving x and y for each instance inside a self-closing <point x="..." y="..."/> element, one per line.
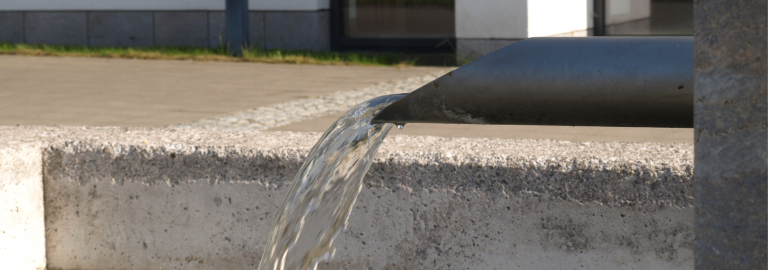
<point x="207" y="54"/>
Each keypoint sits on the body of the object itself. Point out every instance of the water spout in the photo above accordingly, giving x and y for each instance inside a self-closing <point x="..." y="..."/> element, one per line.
<point x="594" y="81"/>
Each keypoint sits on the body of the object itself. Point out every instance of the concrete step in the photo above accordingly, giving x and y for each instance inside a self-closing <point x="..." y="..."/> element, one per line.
<point x="137" y="198"/>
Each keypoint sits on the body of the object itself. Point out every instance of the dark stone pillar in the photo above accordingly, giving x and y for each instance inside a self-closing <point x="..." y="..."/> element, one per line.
<point x="237" y="26"/>
<point x="730" y="119"/>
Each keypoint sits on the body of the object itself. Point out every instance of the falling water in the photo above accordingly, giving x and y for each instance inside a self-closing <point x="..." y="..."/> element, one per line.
<point x="325" y="189"/>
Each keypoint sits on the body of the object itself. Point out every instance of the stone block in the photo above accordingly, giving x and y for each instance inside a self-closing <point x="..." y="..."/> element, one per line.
<point x="181" y="28"/>
<point x="56" y="28"/>
<point x="470" y="49"/>
<point x="120" y="28"/>
<point x="22" y="224"/>
<point x="11" y="27"/>
<point x="298" y="30"/>
<point x="731" y="131"/>
<point x="139" y="198"/>
<point x="218" y="29"/>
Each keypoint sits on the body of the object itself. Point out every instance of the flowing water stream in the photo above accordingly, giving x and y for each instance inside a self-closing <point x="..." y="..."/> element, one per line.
<point x="325" y="189"/>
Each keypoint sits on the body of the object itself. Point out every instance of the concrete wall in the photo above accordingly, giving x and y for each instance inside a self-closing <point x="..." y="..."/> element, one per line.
<point x="143" y="198"/>
<point x="292" y="30"/>
<point x="177" y="5"/>
<point x="22" y="225"/>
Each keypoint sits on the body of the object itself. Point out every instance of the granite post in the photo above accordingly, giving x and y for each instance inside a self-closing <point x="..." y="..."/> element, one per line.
<point x="731" y="142"/>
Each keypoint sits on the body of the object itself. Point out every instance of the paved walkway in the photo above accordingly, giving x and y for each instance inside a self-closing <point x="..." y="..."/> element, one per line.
<point x="236" y="96"/>
<point x="156" y="93"/>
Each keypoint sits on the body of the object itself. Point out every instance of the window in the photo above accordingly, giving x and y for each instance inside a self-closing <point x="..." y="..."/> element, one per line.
<point x="393" y="25"/>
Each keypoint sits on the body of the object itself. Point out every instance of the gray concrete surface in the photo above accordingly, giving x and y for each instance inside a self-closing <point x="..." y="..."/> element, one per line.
<point x="56" y="27"/>
<point x="125" y="29"/>
<point x="298" y="30"/>
<point x="188" y="28"/>
<point x="565" y="133"/>
<point x="285" y="113"/>
<point x="731" y="123"/>
<point x="120" y="92"/>
<point x="149" y="198"/>
<point x="11" y="27"/>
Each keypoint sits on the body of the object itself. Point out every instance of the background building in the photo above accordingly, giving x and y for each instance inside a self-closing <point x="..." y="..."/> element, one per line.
<point x="469" y="27"/>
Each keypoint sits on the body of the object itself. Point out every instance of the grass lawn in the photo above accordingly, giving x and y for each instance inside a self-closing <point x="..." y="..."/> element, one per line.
<point x="207" y="54"/>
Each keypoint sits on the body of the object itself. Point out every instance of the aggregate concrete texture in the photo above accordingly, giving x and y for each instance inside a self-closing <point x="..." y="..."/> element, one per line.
<point x="125" y="29"/>
<point x="186" y="28"/>
<point x="56" y="27"/>
<point x="156" y="93"/>
<point x="731" y="124"/>
<point x="11" y="27"/>
<point x="298" y="30"/>
<point x="135" y="198"/>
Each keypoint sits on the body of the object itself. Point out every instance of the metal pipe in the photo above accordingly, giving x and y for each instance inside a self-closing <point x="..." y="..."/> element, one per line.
<point x="592" y="81"/>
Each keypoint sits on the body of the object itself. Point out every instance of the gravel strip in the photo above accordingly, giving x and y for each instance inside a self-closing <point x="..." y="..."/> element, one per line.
<point x="281" y="114"/>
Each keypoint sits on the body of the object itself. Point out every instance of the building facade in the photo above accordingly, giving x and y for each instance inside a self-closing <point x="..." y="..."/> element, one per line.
<point x="471" y="28"/>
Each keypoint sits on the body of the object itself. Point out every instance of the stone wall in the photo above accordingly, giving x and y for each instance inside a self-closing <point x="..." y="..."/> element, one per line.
<point x="291" y="30"/>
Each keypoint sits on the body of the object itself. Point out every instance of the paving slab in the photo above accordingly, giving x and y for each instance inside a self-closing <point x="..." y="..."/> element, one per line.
<point x="156" y="93"/>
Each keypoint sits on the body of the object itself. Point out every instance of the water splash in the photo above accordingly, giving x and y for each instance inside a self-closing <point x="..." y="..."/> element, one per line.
<point x="325" y="189"/>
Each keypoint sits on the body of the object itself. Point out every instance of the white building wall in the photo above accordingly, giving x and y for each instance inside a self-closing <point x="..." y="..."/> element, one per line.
<point x="43" y="5"/>
<point x="519" y="19"/>
<point x="552" y="17"/>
